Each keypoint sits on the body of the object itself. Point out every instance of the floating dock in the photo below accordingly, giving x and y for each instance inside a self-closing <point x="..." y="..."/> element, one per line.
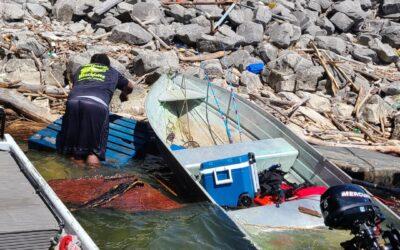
<point x="31" y="214"/>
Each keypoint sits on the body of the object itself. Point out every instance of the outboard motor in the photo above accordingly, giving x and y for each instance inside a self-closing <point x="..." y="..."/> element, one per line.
<point x="350" y="207"/>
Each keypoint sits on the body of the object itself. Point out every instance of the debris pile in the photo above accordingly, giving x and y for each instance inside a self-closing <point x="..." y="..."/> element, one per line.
<point x="330" y="67"/>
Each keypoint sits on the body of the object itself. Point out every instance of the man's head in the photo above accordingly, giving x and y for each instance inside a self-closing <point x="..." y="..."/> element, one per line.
<point x="100" y="59"/>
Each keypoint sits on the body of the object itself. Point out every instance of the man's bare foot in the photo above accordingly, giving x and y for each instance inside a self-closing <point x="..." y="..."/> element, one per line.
<point x="93" y="161"/>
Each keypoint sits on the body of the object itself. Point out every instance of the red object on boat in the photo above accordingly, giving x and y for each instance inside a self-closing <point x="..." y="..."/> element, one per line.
<point x="77" y="192"/>
<point x="266" y="200"/>
<point x="308" y="191"/>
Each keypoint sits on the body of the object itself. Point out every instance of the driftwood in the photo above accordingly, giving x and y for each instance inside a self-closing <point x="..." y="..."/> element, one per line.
<point x="316" y="117"/>
<point x="105" y="6"/>
<point x="151" y="32"/>
<point x="203" y="57"/>
<point x="363" y="96"/>
<point x="335" y="85"/>
<point x="380" y="148"/>
<point x="365" y="131"/>
<point x="295" y="107"/>
<point x="23" y="106"/>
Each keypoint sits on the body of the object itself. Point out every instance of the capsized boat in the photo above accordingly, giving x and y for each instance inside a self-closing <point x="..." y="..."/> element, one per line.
<point x="198" y="122"/>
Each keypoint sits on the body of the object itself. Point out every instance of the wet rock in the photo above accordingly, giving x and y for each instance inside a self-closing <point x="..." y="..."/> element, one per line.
<point x="386" y="53"/>
<point x="36" y="10"/>
<point x="165" y="32"/>
<point x="364" y="54"/>
<point x="251" y="81"/>
<point x="161" y="62"/>
<point x="390" y="7"/>
<point x="267" y="52"/>
<point x="262" y="15"/>
<point x="180" y="13"/>
<point x="281" y="35"/>
<point x="109" y="22"/>
<point x="239" y="16"/>
<point x="212" y="68"/>
<point x="11" y="11"/>
<point x="391" y="35"/>
<point x="146" y="11"/>
<point x="331" y="43"/>
<point x="190" y="33"/>
<point x="131" y="33"/>
<point x="224" y="39"/>
<point x="317" y="102"/>
<point x="253" y="33"/>
<point x="64" y="10"/>
<point x="342" y="22"/>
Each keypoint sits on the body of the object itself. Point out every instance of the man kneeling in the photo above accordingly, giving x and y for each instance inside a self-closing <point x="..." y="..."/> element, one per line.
<point x="84" y="129"/>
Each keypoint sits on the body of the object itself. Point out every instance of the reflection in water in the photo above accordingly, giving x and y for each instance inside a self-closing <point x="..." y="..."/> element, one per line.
<point x="195" y="226"/>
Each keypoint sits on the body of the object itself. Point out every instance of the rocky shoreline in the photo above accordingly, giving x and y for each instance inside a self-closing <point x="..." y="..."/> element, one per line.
<point x="329" y="69"/>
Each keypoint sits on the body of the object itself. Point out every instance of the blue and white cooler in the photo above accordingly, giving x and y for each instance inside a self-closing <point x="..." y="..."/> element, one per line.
<point x="229" y="180"/>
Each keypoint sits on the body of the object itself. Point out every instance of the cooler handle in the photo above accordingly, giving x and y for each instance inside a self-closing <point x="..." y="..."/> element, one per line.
<point x="224" y="181"/>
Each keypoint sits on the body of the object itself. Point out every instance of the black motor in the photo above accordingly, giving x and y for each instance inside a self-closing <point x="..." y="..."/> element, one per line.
<point x="346" y="205"/>
<point x="349" y="207"/>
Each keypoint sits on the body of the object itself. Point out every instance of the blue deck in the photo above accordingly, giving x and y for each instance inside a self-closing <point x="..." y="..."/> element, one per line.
<point x="126" y="137"/>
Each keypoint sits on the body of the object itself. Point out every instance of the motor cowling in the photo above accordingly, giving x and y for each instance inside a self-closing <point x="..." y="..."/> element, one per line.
<point x="347" y="205"/>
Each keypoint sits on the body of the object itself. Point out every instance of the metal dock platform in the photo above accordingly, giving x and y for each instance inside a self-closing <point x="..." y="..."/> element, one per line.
<point x="31" y="214"/>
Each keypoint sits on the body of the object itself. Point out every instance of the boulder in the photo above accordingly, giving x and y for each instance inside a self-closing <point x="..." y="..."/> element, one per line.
<point x="396" y="128"/>
<point x="315" y="30"/>
<point x="390" y="7"/>
<point x="314" y="5"/>
<point x="281" y="81"/>
<point x="212" y="68"/>
<point x="124" y="7"/>
<point x="25" y="40"/>
<point x="342" y="110"/>
<point x="366" y="4"/>
<point x="317" y="102"/>
<point x="36" y="10"/>
<point x="109" y="22"/>
<point x="11" y="11"/>
<point x="325" y="4"/>
<point x="391" y="35"/>
<point x="77" y="27"/>
<point x="239" y="58"/>
<point x="303" y="20"/>
<point x="165" y="32"/>
<point x="262" y="15"/>
<point x="386" y="53"/>
<point x="202" y="21"/>
<point x="251" y="81"/>
<point x="190" y="33"/>
<point x="327" y="25"/>
<point x="64" y="10"/>
<point x="267" y="52"/>
<point x="253" y="33"/>
<point x="160" y="62"/>
<point x="239" y="16"/>
<point x="342" y="22"/>
<point x="213" y="11"/>
<point x="350" y="8"/>
<point x="224" y="39"/>
<point x="375" y="108"/>
<point x="131" y="33"/>
<point x="281" y="34"/>
<point x="193" y="71"/>
<point x="180" y="13"/>
<point x="392" y="88"/>
<point x="331" y="43"/>
<point x="364" y="54"/>
<point x="25" y="65"/>
<point x="146" y="11"/>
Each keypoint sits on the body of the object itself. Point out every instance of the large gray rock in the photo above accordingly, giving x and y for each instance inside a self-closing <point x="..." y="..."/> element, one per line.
<point x="131" y="33"/>
<point x="281" y="35"/>
<point x="326" y="24"/>
<point x="253" y="33"/>
<point x="212" y="68"/>
<point x="351" y="8"/>
<point x="315" y="30"/>
<point x="161" y="62"/>
<point x="267" y="52"/>
<point x="190" y="33"/>
<point x="240" y="59"/>
<point x="390" y="7"/>
<point x="180" y="13"/>
<point x="391" y="35"/>
<point x="251" y="81"/>
<point x="303" y="20"/>
<point x="165" y="32"/>
<point x="124" y="7"/>
<point x="109" y="22"/>
<point x="64" y="10"/>
<point x="364" y="55"/>
<point x="262" y="15"/>
<point x="11" y="11"/>
<point x="325" y="4"/>
<point x="342" y="22"/>
<point x="239" y="16"/>
<point x="385" y="52"/>
<point x="25" y="40"/>
<point x="202" y="21"/>
<point x="146" y="11"/>
<point x="36" y="10"/>
<point x="224" y="39"/>
<point x="331" y="43"/>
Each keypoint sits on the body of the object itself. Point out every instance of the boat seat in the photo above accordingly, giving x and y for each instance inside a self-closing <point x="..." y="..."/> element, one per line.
<point x="267" y="152"/>
<point x="287" y="215"/>
<point x="174" y="95"/>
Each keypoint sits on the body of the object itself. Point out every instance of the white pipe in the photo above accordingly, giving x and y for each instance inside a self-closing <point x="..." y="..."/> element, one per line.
<point x="67" y="217"/>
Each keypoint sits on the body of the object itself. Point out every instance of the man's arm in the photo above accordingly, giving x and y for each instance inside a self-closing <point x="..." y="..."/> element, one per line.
<point x="126" y="91"/>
